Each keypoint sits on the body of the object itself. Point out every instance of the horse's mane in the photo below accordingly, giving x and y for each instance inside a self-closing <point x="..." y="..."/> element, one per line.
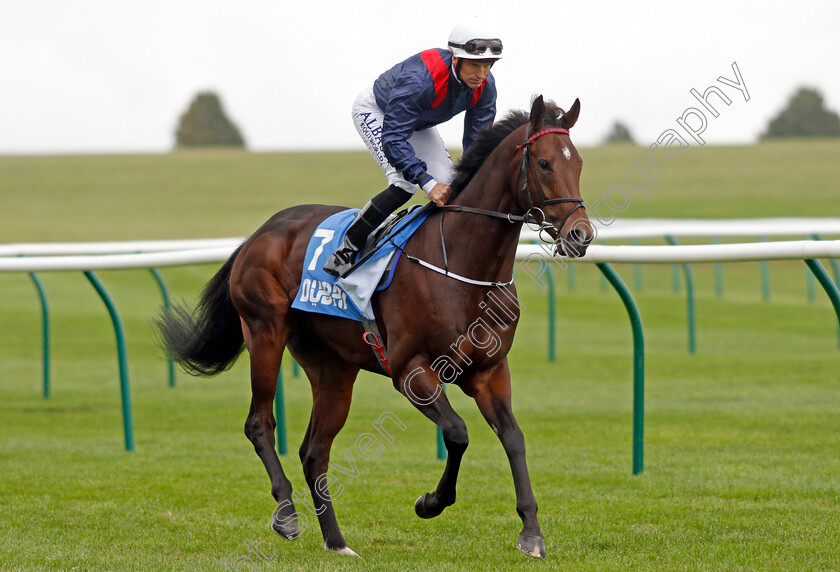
<point x="489" y="138"/>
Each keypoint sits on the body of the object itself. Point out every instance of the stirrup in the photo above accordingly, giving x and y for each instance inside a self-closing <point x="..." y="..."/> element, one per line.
<point x="354" y="239"/>
<point x="340" y="262"/>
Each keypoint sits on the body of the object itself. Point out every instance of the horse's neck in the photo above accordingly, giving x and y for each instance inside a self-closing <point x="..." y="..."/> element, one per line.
<point x="485" y="245"/>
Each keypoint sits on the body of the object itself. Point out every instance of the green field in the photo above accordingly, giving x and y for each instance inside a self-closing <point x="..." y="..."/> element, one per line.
<point x="742" y="464"/>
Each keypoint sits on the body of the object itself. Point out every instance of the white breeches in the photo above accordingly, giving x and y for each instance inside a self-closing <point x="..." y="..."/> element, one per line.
<point x="428" y="145"/>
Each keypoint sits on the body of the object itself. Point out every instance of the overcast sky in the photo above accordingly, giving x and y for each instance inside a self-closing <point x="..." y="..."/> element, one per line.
<point x="114" y="76"/>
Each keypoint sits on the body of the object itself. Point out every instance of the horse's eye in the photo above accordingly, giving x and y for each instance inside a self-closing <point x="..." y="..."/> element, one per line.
<point x="543" y="164"/>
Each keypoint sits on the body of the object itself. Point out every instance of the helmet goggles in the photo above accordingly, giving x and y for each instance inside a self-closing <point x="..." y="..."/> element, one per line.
<point x="478" y="47"/>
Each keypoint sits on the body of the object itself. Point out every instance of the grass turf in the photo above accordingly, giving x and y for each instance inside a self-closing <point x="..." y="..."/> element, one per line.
<point x="742" y="447"/>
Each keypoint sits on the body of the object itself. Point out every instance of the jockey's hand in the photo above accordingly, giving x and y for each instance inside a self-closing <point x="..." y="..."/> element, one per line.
<point x="440" y="194"/>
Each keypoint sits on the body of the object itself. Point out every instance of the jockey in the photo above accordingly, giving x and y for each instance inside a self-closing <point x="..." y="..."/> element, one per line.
<point x="397" y="115"/>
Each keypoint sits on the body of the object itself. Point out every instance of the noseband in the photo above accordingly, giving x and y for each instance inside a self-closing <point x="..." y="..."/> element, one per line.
<point x="527" y="166"/>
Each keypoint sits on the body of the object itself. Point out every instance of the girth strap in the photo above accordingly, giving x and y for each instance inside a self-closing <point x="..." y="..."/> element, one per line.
<point x="373" y="338"/>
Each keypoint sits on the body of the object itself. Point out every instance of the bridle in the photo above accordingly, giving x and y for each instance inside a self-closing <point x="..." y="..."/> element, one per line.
<point x="526" y="166"/>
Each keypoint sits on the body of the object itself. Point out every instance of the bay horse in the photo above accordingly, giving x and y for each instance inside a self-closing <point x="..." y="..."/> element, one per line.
<point x="523" y="169"/>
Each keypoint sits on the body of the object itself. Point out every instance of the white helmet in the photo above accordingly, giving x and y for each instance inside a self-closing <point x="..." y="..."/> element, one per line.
<point x="473" y="40"/>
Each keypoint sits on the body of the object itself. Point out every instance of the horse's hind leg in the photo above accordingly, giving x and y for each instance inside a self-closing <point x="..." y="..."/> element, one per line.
<point x="266" y="339"/>
<point x="332" y="391"/>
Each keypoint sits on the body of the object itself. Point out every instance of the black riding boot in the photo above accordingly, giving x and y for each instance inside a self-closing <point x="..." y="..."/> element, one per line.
<point x="370" y="217"/>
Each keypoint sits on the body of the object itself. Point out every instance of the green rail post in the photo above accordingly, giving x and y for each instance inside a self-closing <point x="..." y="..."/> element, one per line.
<point x="833" y="263"/>
<point x="122" y="359"/>
<point x="718" y="273"/>
<point x="765" y="275"/>
<point x="830" y="288"/>
<point x="603" y="280"/>
<point x="164" y="291"/>
<point x="572" y="277"/>
<point x="637" y="270"/>
<point x="689" y="297"/>
<point x="280" y="415"/>
<point x="675" y="273"/>
<point x="551" y="315"/>
<point x="810" y="275"/>
<point x="638" y="365"/>
<point x="441" y="446"/>
<point x="837" y="285"/>
<point x="45" y="331"/>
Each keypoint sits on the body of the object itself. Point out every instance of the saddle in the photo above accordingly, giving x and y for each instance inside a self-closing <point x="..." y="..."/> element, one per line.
<point x="349" y="297"/>
<point x="380" y="237"/>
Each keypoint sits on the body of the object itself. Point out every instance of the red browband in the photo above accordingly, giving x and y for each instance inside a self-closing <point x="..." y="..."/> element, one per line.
<point x="539" y="134"/>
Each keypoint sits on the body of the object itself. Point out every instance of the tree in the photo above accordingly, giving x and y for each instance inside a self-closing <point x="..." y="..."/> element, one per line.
<point x="804" y="116"/>
<point x="205" y="124"/>
<point x="619" y="134"/>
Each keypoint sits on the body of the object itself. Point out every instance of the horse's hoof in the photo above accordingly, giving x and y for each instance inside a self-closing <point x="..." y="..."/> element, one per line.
<point x="289" y="531"/>
<point x="531" y="545"/>
<point x="429" y="506"/>
<point x="286" y="526"/>
<point x="420" y="508"/>
<point x="347" y="551"/>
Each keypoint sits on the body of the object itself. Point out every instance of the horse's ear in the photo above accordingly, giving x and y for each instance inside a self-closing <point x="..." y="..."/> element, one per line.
<point x="537" y="113"/>
<point x="571" y="116"/>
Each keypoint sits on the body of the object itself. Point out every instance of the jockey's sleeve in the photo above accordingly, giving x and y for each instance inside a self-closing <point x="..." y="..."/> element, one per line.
<point x="482" y="114"/>
<point x="408" y="100"/>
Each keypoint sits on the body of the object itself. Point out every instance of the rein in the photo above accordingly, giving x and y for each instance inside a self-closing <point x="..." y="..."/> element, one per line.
<point x="511" y="218"/>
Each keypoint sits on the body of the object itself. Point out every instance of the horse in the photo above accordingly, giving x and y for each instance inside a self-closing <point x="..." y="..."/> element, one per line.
<point x="523" y="169"/>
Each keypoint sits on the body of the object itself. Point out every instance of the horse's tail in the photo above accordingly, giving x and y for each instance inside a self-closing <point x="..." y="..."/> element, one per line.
<point x="207" y="340"/>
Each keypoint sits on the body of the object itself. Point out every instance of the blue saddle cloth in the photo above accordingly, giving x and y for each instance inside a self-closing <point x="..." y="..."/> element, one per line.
<point x="348" y="297"/>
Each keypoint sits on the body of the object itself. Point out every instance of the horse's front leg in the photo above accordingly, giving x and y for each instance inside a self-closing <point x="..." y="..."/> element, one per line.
<point x="491" y="391"/>
<point x="422" y="387"/>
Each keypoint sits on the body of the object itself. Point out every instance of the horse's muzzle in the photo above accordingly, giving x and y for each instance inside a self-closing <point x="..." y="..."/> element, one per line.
<point x="575" y="242"/>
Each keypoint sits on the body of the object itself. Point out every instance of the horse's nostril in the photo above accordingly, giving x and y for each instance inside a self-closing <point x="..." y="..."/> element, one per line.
<point x="576" y="235"/>
<point x="580" y="235"/>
